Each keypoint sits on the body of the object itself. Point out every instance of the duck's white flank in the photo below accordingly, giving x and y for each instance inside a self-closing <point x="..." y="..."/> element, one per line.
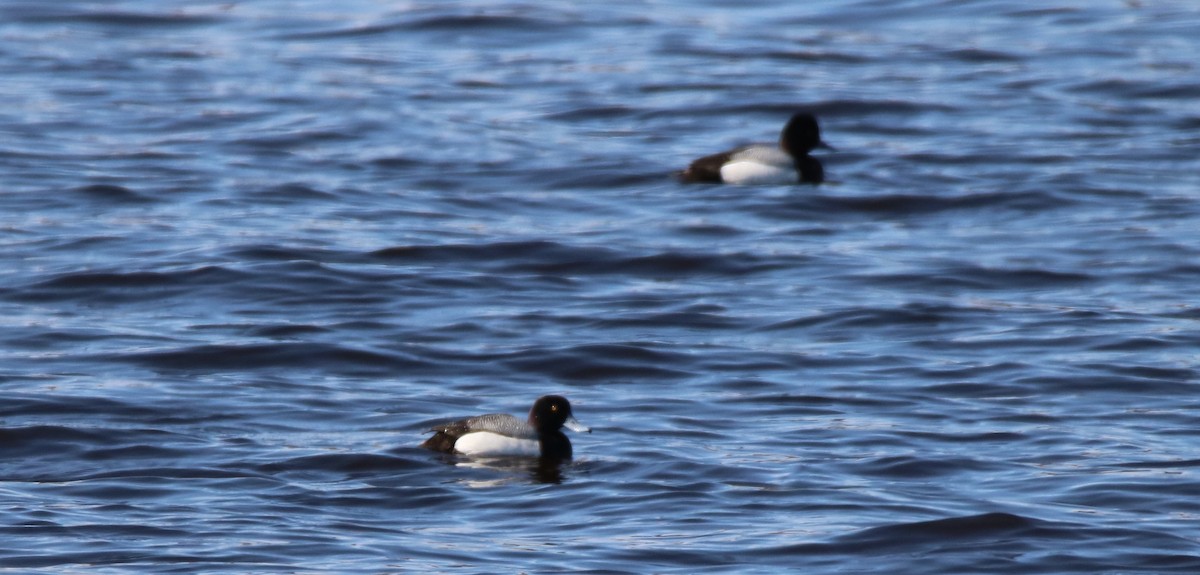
<point x="760" y="165"/>
<point x="750" y="172"/>
<point x="488" y="443"/>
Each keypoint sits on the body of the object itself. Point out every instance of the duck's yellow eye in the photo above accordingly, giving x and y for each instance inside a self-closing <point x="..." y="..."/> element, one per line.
<point x="553" y="408"/>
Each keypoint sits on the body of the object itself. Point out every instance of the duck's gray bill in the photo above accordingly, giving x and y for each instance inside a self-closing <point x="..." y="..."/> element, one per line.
<point x="574" y="425"/>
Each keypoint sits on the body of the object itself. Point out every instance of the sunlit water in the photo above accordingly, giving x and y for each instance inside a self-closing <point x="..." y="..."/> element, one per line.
<point x="252" y="251"/>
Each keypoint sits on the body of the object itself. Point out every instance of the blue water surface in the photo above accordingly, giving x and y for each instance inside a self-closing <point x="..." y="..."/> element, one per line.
<point x="252" y="251"/>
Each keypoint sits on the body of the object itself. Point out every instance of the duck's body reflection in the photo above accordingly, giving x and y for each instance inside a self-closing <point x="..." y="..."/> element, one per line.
<point x="513" y="469"/>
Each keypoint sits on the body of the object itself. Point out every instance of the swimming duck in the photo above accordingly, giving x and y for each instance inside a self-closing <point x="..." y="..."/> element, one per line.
<point x="787" y="163"/>
<point x="540" y="435"/>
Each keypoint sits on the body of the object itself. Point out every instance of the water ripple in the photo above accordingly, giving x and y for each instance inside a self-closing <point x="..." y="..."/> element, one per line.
<point x="253" y="251"/>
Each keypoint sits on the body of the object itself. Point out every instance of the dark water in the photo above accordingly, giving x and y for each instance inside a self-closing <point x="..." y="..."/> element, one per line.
<point x="251" y="250"/>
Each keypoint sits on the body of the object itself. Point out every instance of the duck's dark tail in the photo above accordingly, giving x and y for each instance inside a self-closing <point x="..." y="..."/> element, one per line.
<point x="446" y="435"/>
<point x="704" y="170"/>
<point x="441" y="441"/>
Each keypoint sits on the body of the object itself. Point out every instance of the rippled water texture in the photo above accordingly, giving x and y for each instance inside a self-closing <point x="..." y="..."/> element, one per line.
<point x="253" y="250"/>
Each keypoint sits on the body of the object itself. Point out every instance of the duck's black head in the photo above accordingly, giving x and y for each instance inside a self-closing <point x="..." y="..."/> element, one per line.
<point x="551" y="412"/>
<point x="801" y="135"/>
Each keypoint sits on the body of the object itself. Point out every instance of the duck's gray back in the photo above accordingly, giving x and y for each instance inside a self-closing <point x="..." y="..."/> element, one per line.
<point x="763" y="153"/>
<point x="503" y="424"/>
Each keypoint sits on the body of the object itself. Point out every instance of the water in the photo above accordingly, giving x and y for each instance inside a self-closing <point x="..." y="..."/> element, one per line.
<point x="251" y="251"/>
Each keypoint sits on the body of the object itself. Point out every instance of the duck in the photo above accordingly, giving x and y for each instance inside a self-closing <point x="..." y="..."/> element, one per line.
<point x="501" y="434"/>
<point x="786" y="163"/>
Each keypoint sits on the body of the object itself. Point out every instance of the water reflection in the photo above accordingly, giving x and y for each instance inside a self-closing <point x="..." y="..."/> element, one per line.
<point x="512" y="469"/>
